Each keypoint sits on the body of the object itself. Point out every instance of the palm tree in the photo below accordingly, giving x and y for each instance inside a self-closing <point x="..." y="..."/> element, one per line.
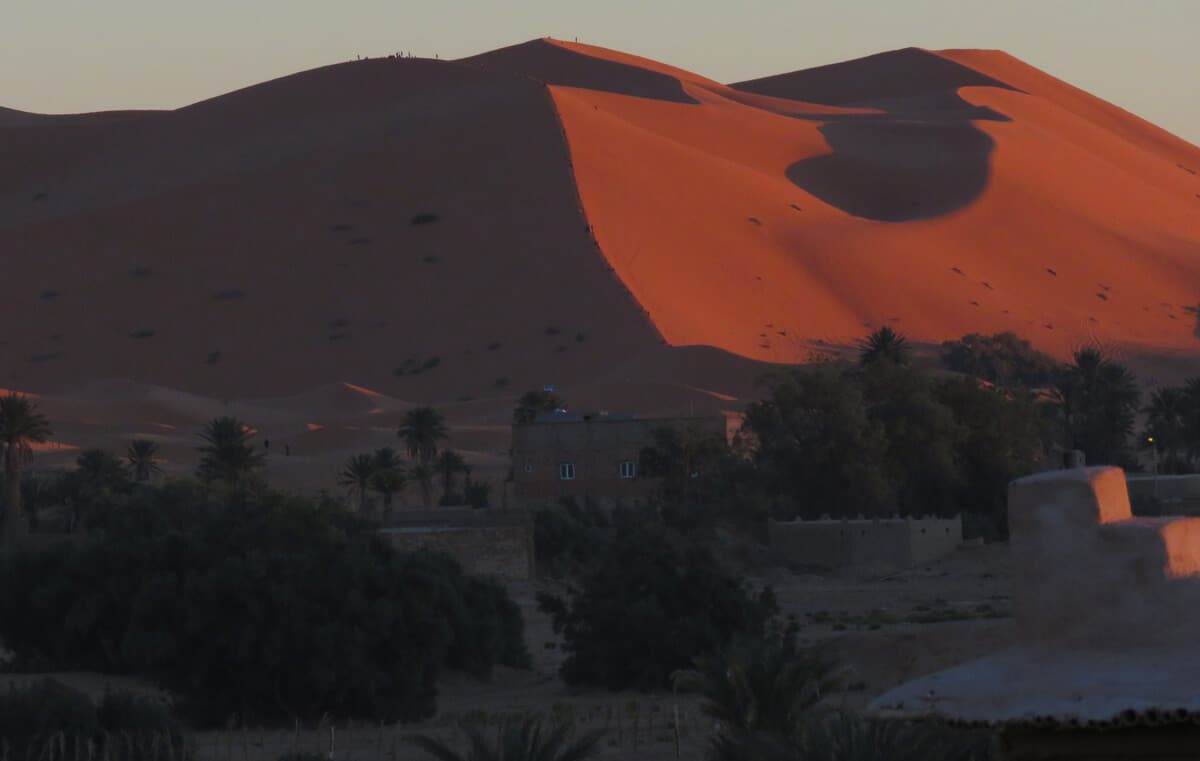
<point x="422" y="476"/>
<point x="21" y="426"/>
<point x="99" y="470"/>
<point x="885" y="345"/>
<point x="1166" y="427"/>
<point x="422" y="429"/>
<point x="357" y="474"/>
<point x="227" y="454"/>
<point x="517" y="739"/>
<point x="533" y="403"/>
<point x="760" y="694"/>
<point x="1097" y="401"/>
<point x="389" y="477"/>
<point x="142" y="455"/>
<point x="449" y="463"/>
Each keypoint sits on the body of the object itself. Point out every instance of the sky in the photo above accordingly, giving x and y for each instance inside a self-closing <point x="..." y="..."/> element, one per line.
<point x="63" y="56"/>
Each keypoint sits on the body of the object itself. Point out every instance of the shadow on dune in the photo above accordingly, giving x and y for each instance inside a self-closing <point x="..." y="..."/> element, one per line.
<point x="553" y="65"/>
<point x="922" y="157"/>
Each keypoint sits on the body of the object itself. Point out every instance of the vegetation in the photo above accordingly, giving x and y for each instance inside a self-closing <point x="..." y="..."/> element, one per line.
<point x="387" y="478"/>
<point x="21" y="426"/>
<point x="422" y="476"/>
<point x="646" y="605"/>
<point x="422" y="429"/>
<point x="885" y="345"/>
<point x="142" y="456"/>
<point x="534" y="403"/>
<point x="259" y="604"/>
<point x="447" y="465"/>
<point x="1003" y="359"/>
<point x="518" y="738"/>
<point x="46" y="715"/>
<point x="358" y="475"/>
<point x="1096" y="405"/>
<point x="227" y="456"/>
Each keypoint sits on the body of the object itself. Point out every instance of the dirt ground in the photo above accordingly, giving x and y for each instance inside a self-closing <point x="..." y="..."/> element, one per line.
<point x="885" y="628"/>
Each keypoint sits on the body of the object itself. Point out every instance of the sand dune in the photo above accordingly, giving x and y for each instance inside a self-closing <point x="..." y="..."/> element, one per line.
<point x="333" y="247"/>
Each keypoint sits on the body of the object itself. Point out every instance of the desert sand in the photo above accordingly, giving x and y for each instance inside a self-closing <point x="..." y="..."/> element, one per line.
<point x="321" y="252"/>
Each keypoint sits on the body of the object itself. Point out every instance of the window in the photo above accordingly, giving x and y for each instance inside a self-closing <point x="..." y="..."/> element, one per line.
<point x="566" y="471"/>
<point x="627" y="469"/>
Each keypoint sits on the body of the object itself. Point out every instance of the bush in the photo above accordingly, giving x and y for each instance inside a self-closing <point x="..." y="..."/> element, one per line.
<point x="268" y="607"/>
<point x="31" y="716"/>
<point x="649" y="604"/>
<point x="143" y="729"/>
<point x="566" y="538"/>
<point x="1003" y="358"/>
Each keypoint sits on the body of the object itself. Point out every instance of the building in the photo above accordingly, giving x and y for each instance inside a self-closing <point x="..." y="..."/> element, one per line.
<point x="865" y="542"/>
<point x="593" y="456"/>
<point x="1104" y="664"/>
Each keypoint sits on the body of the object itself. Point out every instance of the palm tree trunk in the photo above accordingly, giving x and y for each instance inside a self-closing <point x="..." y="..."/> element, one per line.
<point x="14" y="524"/>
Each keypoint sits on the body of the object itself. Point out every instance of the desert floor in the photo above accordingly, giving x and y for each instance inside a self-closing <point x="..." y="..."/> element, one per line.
<point x="871" y="623"/>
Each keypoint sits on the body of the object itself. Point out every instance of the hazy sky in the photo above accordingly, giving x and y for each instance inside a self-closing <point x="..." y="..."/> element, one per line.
<point x="83" y="55"/>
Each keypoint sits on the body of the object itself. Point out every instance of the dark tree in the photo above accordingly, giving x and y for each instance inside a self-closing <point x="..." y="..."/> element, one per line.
<point x="21" y="426"/>
<point x="1097" y="402"/>
<point x="533" y="403"/>
<point x="227" y="455"/>
<point x="142" y="456"/>
<point x="885" y="345"/>
<point x="422" y="429"/>
<point x="817" y="449"/>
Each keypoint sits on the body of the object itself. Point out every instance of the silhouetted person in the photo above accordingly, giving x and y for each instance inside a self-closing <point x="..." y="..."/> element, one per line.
<point x="287" y="450"/>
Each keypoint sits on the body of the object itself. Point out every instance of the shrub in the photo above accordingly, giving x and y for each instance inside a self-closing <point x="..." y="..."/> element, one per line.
<point x="647" y="606"/>
<point x="1002" y="358"/>
<point x="566" y="538"/>
<point x="143" y="728"/>
<point x="265" y="606"/>
<point x="30" y="716"/>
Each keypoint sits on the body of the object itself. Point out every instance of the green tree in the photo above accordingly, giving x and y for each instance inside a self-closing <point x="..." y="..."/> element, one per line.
<point x="142" y="456"/>
<point x="816" y="448"/>
<point x="227" y="456"/>
<point x="533" y="403"/>
<point x="357" y="475"/>
<point x="1166" y="429"/>
<point x="518" y="738"/>
<point x="885" y="345"/>
<point x="1003" y="358"/>
<point x="449" y="464"/>
<point x="647" y="605"/>
<point x="422" y="429"/>
<point x="21" y="426"/>
<point x="422" y="476"/>
<point x="684" y="459"/>
<point x="389" y="478"/>
<point x="1097" y="402"/>
<point x="1005" y="439"/>
<point x="923" y="437"/>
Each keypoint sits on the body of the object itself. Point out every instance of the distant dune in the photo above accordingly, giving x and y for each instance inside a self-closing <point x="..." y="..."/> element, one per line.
<point x="458" y="231"/>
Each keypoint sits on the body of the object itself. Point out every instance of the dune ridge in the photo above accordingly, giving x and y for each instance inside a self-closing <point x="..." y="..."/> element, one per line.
<point x="554" y="213"/>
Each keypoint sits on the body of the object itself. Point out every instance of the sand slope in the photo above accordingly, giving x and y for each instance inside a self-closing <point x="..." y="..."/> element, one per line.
<point x="355" y="239"/>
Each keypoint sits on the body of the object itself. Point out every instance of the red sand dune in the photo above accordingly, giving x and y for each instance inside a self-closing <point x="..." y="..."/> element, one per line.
<point x="428" y="230"/>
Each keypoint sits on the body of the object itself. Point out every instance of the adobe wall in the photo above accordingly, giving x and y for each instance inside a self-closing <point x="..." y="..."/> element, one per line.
<point x="502" y="551"/>
<point x="1164" y="487"/>
<point x="886" y="542"/>
<point x="1090" y="574"/>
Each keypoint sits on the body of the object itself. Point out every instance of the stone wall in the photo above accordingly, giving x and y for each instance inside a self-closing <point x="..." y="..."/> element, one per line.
<point x="485" y="545"/>
<point x="883" y="542"/>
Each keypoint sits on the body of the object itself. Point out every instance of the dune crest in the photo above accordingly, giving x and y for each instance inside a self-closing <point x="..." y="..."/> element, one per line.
<point x="364" y="237"/>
